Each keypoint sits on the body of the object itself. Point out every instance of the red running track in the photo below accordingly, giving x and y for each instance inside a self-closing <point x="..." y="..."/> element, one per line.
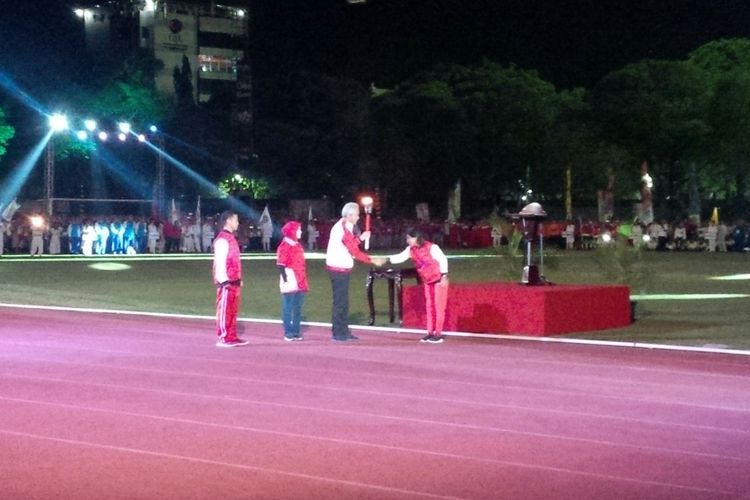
<point x="99" y="406"/>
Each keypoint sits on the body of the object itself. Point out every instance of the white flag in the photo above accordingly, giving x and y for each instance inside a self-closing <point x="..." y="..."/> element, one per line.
<point x="198" y="211"/>
<point x="265" y="217"/>
<point x="309" y="213"/>
<point x="10" y="210"/>
<point x="174" y="216"/>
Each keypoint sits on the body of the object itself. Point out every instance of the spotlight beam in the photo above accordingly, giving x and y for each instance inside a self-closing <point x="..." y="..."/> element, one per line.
<point x="18" y="178"/>
<point x="15" y="91"/>
<point x="204" y="183"/>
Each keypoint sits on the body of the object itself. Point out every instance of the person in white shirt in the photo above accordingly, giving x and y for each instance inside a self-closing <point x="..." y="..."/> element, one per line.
<point x="189" y="237"/>
<point x="266" y="231"/>
<point x="102" y="234"/>
<point x="570" y="235"/>
<point x="721" y="237"/>
<point x="343" y="248"/>
<point x="711" y="234"/>
<point x="87" y="239"/>
<point x="312" y="236"/>
<point x="54" y="239"/>
<point x="153" y="235"/>
<point x="208" y="234"/>
<point x="38" y="229"/>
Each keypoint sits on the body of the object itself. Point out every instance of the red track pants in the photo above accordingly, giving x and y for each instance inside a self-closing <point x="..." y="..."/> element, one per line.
<point x="227" y="307"/>
<point x="436" y="299"/>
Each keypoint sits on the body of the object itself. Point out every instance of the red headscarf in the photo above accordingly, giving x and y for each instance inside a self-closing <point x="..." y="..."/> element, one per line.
<point x="290" y="230"/>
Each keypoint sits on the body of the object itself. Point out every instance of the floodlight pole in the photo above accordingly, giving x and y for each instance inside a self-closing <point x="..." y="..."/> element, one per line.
<point x="160" y="175"/>
<point x="49" y="175"/>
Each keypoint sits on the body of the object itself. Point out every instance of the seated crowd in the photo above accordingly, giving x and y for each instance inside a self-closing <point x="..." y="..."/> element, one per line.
<point x="100" y="235"/>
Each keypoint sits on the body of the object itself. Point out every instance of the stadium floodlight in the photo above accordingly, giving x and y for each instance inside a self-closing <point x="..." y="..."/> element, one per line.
<point x="103" y="136"/>
<point x="82" y="135"/>
<point x="79" y="12"/>
<point x="58" y="122"/>
<point x="122" y="136"/>
<point x="141" y="138"/>
<point x="124" y="127"/>
<point x="90" y="124"/>
<point x="153" y="129"/>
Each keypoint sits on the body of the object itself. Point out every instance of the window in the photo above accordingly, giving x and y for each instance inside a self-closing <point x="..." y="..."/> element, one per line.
<point x="217" y="64"/>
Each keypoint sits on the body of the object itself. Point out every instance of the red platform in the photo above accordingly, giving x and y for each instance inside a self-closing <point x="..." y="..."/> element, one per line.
<point x="512" y="308"/>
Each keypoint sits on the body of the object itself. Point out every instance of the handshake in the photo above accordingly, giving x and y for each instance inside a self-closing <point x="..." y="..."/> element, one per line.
<point x="379" y="261"/>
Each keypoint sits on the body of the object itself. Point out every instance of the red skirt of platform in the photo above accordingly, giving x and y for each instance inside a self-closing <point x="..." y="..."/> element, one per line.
<point x="512" y="308"/>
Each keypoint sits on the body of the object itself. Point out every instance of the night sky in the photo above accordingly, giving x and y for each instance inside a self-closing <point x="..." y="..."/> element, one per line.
<point x="571" y="43"/>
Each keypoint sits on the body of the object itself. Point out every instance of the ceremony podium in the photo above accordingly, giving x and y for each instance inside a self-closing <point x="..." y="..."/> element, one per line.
<point x="512" y="308"/>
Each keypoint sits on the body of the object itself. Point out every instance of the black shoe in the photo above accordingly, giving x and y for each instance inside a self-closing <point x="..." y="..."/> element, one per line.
<point x="426" y="338"/>
<point x="352" y="337"/>
<point x="435" y="339"/>
<point x="339" y="339"/>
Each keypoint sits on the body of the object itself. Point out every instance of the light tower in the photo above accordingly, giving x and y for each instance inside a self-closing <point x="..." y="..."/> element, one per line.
<point x="57" y="123"/>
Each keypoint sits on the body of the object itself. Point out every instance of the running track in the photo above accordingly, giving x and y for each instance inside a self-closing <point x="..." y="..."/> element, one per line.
<point x="107" y="406"/>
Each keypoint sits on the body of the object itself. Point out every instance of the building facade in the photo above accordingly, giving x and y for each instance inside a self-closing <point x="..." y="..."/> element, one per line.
<point x="212" y="36"/>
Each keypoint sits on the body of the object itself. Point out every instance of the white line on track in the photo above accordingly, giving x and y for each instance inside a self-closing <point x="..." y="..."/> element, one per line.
<point x="336" y="440"/>
<point x="227" y="464"/>
<point x="639" y="345"/>
<point x="412" y="378"/>
<point x="369" y="415"/>
<point x="451" y="401"/>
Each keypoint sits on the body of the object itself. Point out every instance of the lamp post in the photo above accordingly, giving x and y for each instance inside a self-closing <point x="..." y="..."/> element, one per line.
<point x="57" y="123"/>
<point x="159" y="193"/>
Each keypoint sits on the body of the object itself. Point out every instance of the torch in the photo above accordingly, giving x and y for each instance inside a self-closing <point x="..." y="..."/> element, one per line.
<point x="37" y="221"/>
<point x="367" y="203"/>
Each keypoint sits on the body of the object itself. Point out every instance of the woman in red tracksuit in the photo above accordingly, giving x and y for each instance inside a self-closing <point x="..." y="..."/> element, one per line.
<point x="432" y="268"/>
<point x="290" y="259"/>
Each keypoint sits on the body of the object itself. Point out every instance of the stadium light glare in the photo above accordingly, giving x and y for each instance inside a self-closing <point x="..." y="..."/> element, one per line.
<point x="153" y="129"/>
<point x="141" y="138"/>
<point x="103" y="136"/>
<point x="124" y="127"/>
<point x="58" y="122"/>
<point x="90" y="124"/>
<point x="82" y="135"/>
<point x="122" y="136"/>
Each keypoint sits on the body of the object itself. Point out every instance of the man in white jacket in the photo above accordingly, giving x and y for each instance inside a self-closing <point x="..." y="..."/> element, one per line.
<point x="343" y="248"/>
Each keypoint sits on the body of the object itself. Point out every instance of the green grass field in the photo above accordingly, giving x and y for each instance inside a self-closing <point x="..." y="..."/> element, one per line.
<point x="184" y="286"/>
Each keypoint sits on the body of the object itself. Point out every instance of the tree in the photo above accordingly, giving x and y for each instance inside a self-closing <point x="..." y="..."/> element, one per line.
<point x="656" y="111"/>
<point x="6" y="133"/>
<point x="183" y="85"/>
<point x="311" y="134"/>
<point x="484" y="124"/>
<point x="725" y="67"/>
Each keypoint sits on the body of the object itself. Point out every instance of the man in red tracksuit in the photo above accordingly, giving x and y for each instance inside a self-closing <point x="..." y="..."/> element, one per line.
<point x="228" y="280"/>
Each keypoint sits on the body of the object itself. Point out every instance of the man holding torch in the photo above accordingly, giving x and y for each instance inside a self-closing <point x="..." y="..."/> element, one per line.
<point x="343" y="248"/>
<point x="38" y="228"/>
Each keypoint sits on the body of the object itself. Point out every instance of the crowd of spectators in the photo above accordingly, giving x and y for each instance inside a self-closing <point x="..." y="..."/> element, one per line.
<point x="100" y="235"/>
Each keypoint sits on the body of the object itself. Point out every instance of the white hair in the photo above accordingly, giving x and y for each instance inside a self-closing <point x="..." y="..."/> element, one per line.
<point x="349" y="208"/>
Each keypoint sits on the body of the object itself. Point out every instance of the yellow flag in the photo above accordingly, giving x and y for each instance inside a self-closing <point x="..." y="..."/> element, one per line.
<point x="715" y="215"/>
